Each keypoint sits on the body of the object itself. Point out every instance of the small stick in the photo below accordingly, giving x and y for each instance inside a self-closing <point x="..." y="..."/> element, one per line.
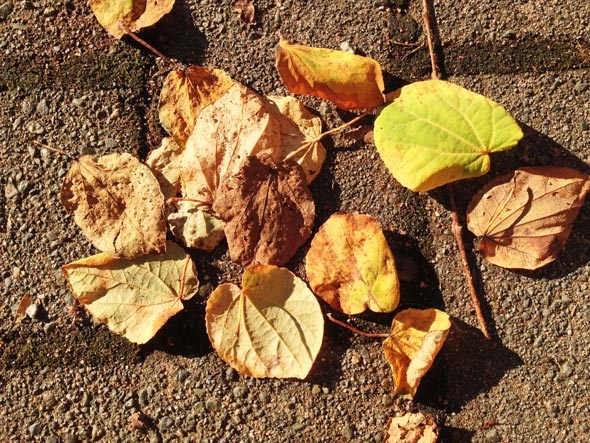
<point x="355" y="330"/>
<point x="145" y="44"/>
<point x="344" y="126"/>
<point x="432" y="37"/>
<point x="56" y="150"/>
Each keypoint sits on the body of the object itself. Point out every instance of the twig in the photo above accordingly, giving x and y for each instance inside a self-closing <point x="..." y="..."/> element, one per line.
<point x="145" y="44"/>
<point x="56" y="150"/>
<point x="344" y="126"/>
<point x="432" y="38"/>
<point x="355" y="330"/>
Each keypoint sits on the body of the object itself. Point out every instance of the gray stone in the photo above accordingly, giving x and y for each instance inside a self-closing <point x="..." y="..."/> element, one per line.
<point x="493" y="436"/>
<point x="42" y="107"/>
<point x="166" y="423"/>
<point x="387" y="400"/>
<point x="348" y="431"/>
<point x="35" y="429"/>
<point x="24" y="187"/>
<point x="34" y="127"/>
<point x="182" y="376"/>
<point x="240" y="391"/>
<point x="5" y="9"/>
<point x="10" y="191"/>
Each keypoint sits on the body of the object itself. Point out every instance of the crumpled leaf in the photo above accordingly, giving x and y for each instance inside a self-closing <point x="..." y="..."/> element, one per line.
<point x="134" y="298"/>
<point x="185" y="94"/>
<point x="246" y="10"/>
<point x="436" y="132"/>
<point x="347" y="80"/>
<point x="273" y="327"/>
<point x="23" y="305"/>
<point x="236" y="125"/>
<point x="193" y="227"/>
<point x="267" y="209"/>
<point x="350" y="266"/>
<point x="525" y="218"/>
<point x="300" y="135"/>
<point x="412" y="427"/>
<point x="117" y="202"/>
<point x="117" y="16"/>
<point x="165" y="164"/>
<point x="414" y="340"/>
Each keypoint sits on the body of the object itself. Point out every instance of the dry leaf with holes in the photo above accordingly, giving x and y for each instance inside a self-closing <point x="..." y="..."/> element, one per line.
<point x="272" y="327"/>
<point x="117" y="202"/>
<point x="412" y="427"/>
<point x="193" y="227"/>
<point x="267" y="211"/>
<point x="525" y="218"/>
<point x="121" y="16"/>
<point x="347" y="80"/>
<point x="185" y="93"/>
<point x="165" y="164"/>
<point x="350" y="266"/>
<point x="415" y="338"/>
<point x="134" y="298"/>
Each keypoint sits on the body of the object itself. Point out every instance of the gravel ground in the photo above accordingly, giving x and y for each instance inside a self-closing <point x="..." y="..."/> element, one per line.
<point x="65" y="83"/>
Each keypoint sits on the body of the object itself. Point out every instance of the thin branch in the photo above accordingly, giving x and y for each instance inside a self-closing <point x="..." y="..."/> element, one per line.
<point x="355" y="330"/>
<point x="56" y="150"/>
<point x="344" y="126"/>
<point x="458" y="233"/>
<point x="145" y="44"/>
<point x="432" y="38"/>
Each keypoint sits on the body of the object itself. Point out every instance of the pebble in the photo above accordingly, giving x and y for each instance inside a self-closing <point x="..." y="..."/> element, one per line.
<point x="42" y="107"/>
<point x="48" y="328"/>
<point x="35" y="429"/>
<point x="189" y="423"/>
<point x="231" y="374"/>
<point x="348" y="431"/>
<point x="143" y="397"/>
<point x="585" y="126"/>
<point x="49" y="399"/>
<point x="70" y="438"/>
<point x="580" y="87"/>
<point x="387" y="400"/>
<point x="24" y="187"/>
<point x="240" y="391"/>
<point x="492" y="436"/>
<point x="567" y="369"/>
<point x="10" y="191"/>
<point x="264" y="398"/>
<point x="182" y="376"/>
<point x="316" y="390"/>
<point x="33" y="311"/>
<point x="34" y="127"/>
<point x="5" y="9"/>
<point x="165" y="423"/>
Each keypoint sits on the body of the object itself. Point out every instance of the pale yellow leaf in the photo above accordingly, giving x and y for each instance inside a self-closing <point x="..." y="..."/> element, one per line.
<point x="193" y="227"/>
<point x="165" y="164"/>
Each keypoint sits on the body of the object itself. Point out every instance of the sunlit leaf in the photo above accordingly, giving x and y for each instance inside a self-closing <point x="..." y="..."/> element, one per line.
<point x="411" y="427"/>
<point x="273" y="327"/>
<point x="165" y="164"/>
<point x="193" y="227"/>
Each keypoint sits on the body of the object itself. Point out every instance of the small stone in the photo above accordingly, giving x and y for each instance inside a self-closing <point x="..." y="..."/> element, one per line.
<point x="298" y="427"/>
<point x="509" y="35"/>
<point x="325" y="390"/>
<point x="200" y="393"/>
<point x="567" y="369"/>
<point x="35" y="429"/>
<point x="86" y="150"/>
<point x="231" y="374"/>
<point x="10" y="191"/>
<point x="165" y="423"/>
<point x="33" y="311"/>
<point x="264" y="398"/>
<point x="345" y="46"/>
<point x="70" y="438"/>
<point x="348" y="431"/>
<point x="580" y="88"/>
<point x="189" y="423"/>
<point x="33" y="151"/>
<point x="97" y="433"/>
<point x="316" y="390"/>
<point x="24" y="187"/>
<point x="49" y="399"/>
<point x="79" y="102"/>
<point x="182" y="376"/>
<point x="211" y="403"/>
<point x="240" y="391"/>
<point x="48" y="328"/>
<point x="16" y="123"/>
<point x="110" y="143"/>
<point x="42" y="107"/>
<point x="143" y="397"/>
<point x="493" y="436"/>
<point x="155" y="438"/>
<point x="585" y="126"/>
<point x="34" y="127"/>
<point x="5" y="9"/>
<point x="386" y="400"/>
<point x="131" y="403"/>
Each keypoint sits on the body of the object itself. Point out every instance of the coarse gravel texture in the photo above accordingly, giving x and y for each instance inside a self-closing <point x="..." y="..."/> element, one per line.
<point x="65" y="83"/>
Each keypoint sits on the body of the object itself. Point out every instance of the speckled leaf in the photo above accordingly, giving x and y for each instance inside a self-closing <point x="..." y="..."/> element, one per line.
<point x="273" y="327"/>
<point x="119" y="16"/>
<point x="117" y="202"/>
<point x="134" y="298"/>
<point x="525" y="218"/>
<point x="350" y="266"/>
<point x="412" y="427"/>
<point x="193" y="227"/>
<point x="414" y="340"/>
<point x="165" y="164"/>
<point x="436" y="132"/>
<point x="347" y="80"/>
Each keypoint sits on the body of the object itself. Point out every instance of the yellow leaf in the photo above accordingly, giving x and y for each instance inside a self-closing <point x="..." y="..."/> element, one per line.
<point x="193" y="227"/>
<point x="525" y="218"/>
<point x="414" y="340"/>
<point x="273" y="327"/>
<point x="348" y="80"/>
<point x="117" y="16"/>
<point x="117" y="202"/>
<point x="185" y="94"/>
<point x="412" y="427"/>
<point x="134" y="298"/>
<point x="165" y="164"/>
<point x="350" y="266"/>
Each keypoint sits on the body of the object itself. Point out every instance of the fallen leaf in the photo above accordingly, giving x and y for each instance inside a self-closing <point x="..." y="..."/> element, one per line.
<point x="134" y="298"/>
<point x="525" y="218"/>
<point x="436" y="132"/>
<point x="273" y="327"/>
<point x="267" y="209"/>
<point x="21" y="310"/>
<point x="117" y="202"/>
<point x="165" y="164"/>
<point x="350" y="266"/>
<point x="236" y="125"/>
<point x="300" y="135"/>
<point x="246" y="10"/>
<point x="414" y="340"/>
<point x="120" y="16"/>
<point x="185" y="94"/>
<point x="193" y="227"/>
<point x="412" y="427"/>
<point x="347" y="80"/>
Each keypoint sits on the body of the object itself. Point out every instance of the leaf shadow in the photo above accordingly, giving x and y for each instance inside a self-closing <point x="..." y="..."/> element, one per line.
<point x="451" y="434"/>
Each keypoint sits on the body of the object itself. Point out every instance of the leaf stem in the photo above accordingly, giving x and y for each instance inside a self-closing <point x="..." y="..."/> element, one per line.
<point x="344" y="126"/>
<point x="432" y="38"/>
<point x="145" y="44"/>
<point x="355" y="330"/>
<point x="458" y="233"/>
<point x="56" y="150"/>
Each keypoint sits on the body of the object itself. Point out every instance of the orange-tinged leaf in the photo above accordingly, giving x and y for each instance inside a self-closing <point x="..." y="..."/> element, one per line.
<point x="412" y="427"/>
<point x="350" y="266"/>
<point x="347" y="80"/>
<point x="21" y="309"/>
<point x="525" y="218"/>
<point x="136" y="297"/>
<point x="117" y="202"/>
<point x="273" y="327"/>
<point x="185" y="94"/>
<point x="414" y="340"/>
<point x="165" y="164"/>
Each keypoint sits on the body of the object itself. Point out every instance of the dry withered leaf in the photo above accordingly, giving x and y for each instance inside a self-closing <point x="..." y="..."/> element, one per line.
<point x="165" y="164"/>
<point x="300" y="135"/>
<point x="414" y="340"/>
<point x="117" y="202"/>
<point x="21" y="309"/>
<point x="412" y="427"/>
<point x="525" y="218"/>
<point x="193" y="227"/>
<point x="246" y="10"/>
<point x="236" y="125"/>
<point x="273" y="327"/>
<point x="347" y="80"/>
<point x="119" y="16"/>
<point x="350" y="266"/>
<point x="185" y="93"/>
<point x="267" y="209"/>
<point x="134" y="298"/>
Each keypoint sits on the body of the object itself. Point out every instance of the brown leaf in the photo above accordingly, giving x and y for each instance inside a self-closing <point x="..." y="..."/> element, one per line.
<point x="116" y="201"/>
<point x="411" y="428"/>
<point x="525" y="218"/>
<point x="246" y="10"/>
<point x="165" y="164"/>
<point x="22" y="307"/>
<point x="185" y="94"/>
<point x="267" y="209"/>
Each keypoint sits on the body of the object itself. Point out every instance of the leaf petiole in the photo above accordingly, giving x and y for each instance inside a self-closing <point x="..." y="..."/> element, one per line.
<point x="355" y="330"/>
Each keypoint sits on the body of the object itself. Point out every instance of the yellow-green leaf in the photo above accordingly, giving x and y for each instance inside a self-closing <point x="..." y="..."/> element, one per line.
<point x="347" y="80"/>
<point x="273" y="327"/>
<point x="134" y="298"/>
<point x="436" y="132"/>
<point x="350" y="266"/>
<point x="414" y="340"/>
